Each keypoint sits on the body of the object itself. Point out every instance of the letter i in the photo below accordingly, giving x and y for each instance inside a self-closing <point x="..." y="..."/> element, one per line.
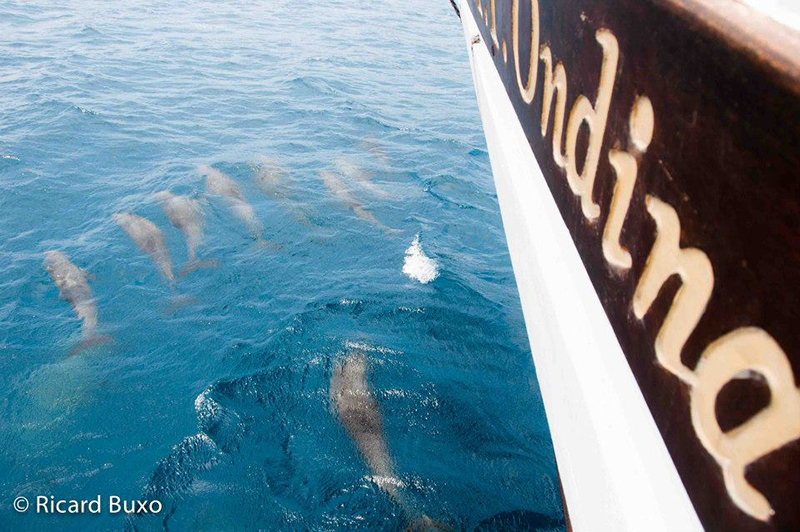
<point x="641" y="124"/>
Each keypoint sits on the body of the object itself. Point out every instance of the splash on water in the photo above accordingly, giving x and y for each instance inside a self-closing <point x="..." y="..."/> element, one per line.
<point x="419" y="266"/>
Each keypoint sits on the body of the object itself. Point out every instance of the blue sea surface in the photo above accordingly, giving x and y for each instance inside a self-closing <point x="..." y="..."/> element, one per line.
<point x="214" y="398"/>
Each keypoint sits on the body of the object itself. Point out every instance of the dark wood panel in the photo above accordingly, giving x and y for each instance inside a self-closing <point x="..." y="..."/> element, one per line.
<point x="724" y="83"/>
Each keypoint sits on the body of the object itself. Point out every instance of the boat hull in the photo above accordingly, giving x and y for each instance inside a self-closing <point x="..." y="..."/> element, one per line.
<point x="644" y="241"/>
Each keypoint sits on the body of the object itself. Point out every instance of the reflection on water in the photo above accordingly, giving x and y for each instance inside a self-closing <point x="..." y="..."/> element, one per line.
<point x="314" y="184"/>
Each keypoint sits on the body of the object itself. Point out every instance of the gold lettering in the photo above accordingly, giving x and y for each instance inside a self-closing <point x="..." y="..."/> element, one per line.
<point x="528" y="89"/>
<point x="554" y="80"/>
<point x="745" y="349"/>
<point x="595" y="117"/>
<point x="481" y="9"/>
<point x="748" y="349"/>
<point x="493" y="27"/>
<point x="667" y="259"/>
<point x="641" y="123"/>
<point x="626" y="168"/>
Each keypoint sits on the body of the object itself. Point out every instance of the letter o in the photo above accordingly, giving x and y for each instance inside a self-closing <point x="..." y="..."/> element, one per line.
<point x="527" y="90"/>
<point x="155" y="507"/>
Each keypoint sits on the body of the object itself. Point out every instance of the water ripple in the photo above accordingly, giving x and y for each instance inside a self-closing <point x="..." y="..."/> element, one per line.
<point x="215" y="398"/>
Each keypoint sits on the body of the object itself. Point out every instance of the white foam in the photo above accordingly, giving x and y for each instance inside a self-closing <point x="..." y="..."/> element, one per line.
<point x="371" y="349"/>
<point x="200" y="400"/>
<point x="207" y="409"/>
<point x="419" y="266"/>
<point x="386" y="483"/>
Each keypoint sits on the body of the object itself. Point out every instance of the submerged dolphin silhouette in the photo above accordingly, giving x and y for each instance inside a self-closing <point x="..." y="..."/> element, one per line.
<point x="221" y="185"/>
<point x="358" y="411"/>
<point x="348" y="168"/>
<point x="339" y="189"/>
<point x="73" y="286"/>
<point x="150" y="240"/>
<point x="185" y="214"/>
<point x="273" y="180"/>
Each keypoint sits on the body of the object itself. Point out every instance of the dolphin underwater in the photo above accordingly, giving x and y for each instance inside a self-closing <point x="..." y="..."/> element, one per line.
<point x="150" y="240"/>
<point x="377" y="150"/>
<point x="339" y="189"/>
<point x="348" y="168"/>
<point x="222" y="185"/>
<point x="357" y="409"/>
<point x="271" y="178"/>
<point x="184" y="213"/>
<point x="73" y="286"/>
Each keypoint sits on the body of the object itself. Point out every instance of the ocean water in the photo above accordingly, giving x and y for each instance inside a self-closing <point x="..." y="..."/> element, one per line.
<point x="352" y="131"/>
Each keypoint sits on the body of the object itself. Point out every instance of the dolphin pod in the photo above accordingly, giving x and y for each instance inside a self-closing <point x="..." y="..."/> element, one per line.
<point x="357" y="409"/>
<point x="185" y="214"/>
<point x="351" y="398"/>
<point x="73" y="286"/>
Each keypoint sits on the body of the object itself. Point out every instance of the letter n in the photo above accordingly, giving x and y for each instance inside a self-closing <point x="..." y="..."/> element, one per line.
<point x="692" y="265"/>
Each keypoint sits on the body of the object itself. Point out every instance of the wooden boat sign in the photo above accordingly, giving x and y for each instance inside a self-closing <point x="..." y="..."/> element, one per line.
<point x="668" y="132"/>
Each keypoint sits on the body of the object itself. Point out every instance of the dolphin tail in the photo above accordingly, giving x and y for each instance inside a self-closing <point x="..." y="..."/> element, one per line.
<point x="195" y="265"/>
<point x="88" y="342"/>
<point x="425" y="524"/>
